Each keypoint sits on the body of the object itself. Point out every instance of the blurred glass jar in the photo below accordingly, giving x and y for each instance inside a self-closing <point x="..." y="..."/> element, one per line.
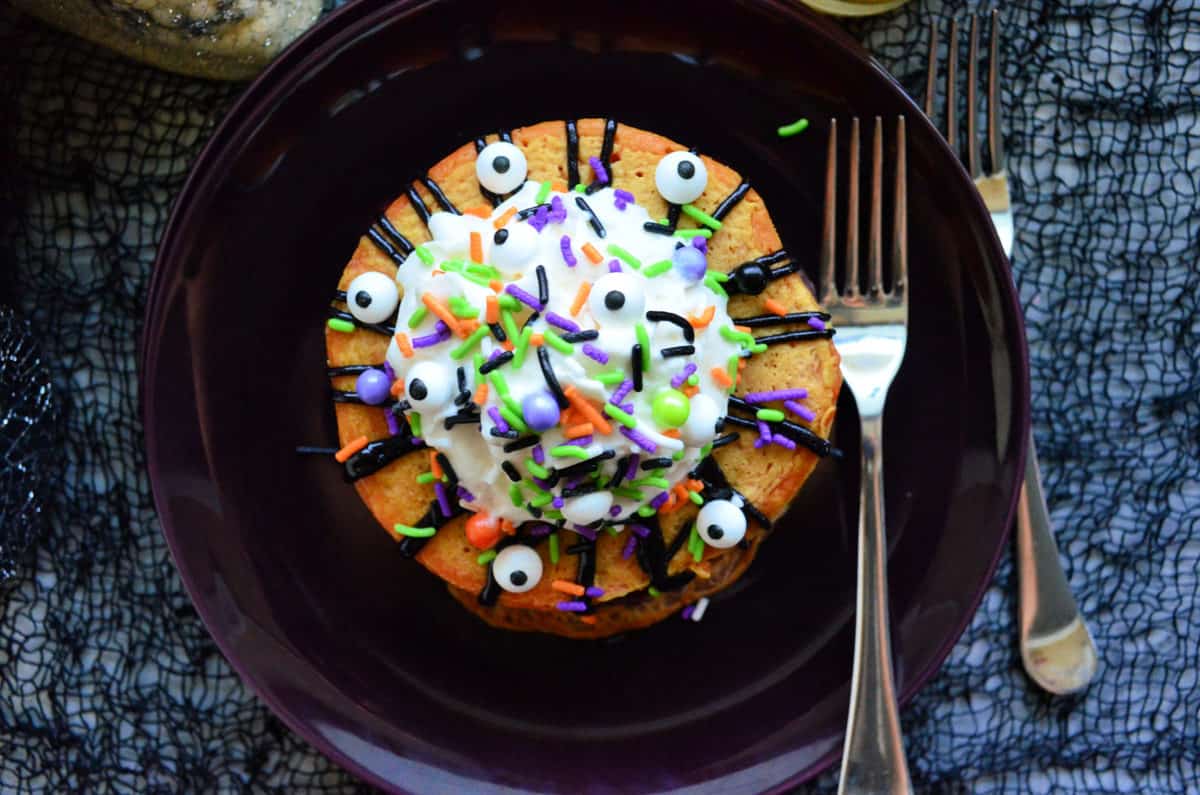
<point x="853" y="8"/>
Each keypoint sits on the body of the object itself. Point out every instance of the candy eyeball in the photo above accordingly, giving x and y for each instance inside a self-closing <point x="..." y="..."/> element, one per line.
<point x="372" y="297"/>
<point x="514" y="246"/>
<point x="428" y="386"/>
<point x="701" y="424"/>
<point x="721" y="524"/>
<point x="680" y="177"/>
<point x="517" y="569"/>
<point x="617" y="297"/>
<point x="501" y="167"/>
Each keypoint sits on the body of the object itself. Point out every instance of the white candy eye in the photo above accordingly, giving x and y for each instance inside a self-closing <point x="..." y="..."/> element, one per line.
<point x="701" y="425"/>
<point x="721" y="524"/>
<point x="428" y="386"/>
<point x="513" y="246"/>
<point x="517" y="569"/>
<point x="617" y="297"/>
<point x="372" y="297"/>
<point x="680" y="177"/>
<point x="501" y="167"/>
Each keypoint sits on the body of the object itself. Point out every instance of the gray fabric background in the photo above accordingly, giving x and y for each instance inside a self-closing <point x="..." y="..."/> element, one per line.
<point x="108" y="682"/>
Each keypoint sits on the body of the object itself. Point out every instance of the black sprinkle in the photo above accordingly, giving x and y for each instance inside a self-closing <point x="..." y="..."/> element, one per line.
<point x="581" y="336"/>
<point x="532" y="317"/>
<point x="543" y="285"/>
<point x="584" y="467"/>
<point x="657" y="228"/>
<point x="582" y="546"/>
<point x="689" y="333"/>
<point x="498" y="332"/>
<point x="509" y="434"/>
<point x="511" y="471"/>
<point x="582" y="488"/>
<point x="572" y="154"/>
<point x="795" y="336"/>
<point x="721" y="441"/>
<point x="492" y="364"/>
<point x="657" y="463"/>
<point x="551" y="379"/>
<point x="463" y="394"/>
<point x="677" y="541"/>
<point x="521" y="443"/>
<point x="533" y="510"/>
<point x="731" y="200"/>
<point x="464" y="417"/>
<point x="529" y="212"/>
<point x="678" y="350"/>
<point x="759" y="321"/>
<point x="594" y="220"/>
<point x="635" y="360"/>
<point x="622" y="465"/>
<point x="446" y="468"/>
<point x="673" y="212"/>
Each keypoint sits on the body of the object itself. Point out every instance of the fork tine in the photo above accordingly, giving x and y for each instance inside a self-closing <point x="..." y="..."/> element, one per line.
<point x="931" y="70"/>
<point x="995" y="144"/>
<point x="875" y="241"/>
<point x="852" y="279"/>
<point x="972" y="101"/>
<point x="900" y="214"/>
<point x="829" y="233"/>
<point x="952" y="88"/>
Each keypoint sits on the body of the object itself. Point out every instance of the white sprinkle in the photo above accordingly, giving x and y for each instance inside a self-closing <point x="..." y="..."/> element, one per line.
<point x="701" y="606"/>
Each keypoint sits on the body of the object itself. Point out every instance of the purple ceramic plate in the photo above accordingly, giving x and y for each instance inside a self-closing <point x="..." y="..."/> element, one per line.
<point x="363" y="653"/>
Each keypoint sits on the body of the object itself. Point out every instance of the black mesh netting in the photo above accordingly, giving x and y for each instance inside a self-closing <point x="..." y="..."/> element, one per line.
<point x="108" y="681"/>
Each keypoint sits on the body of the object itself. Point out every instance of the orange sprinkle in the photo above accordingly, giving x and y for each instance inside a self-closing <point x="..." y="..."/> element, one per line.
<point x="774" y="307"/>
<point x="592" y="254"/>
<point x="576" y="431"/>
<point x="469" y="325"/>
<point x="721" y="377"/>
<point x="705" y="318"/>
<point x="476" y="247"/>
<point x="443" y="313"/>
<point x="694" y="485"/>
<point x="397" y="388"/>
<point x="405" y="346"/>
<point x="671" y="433"/>
<point x="479" y="211"/>
<point x="671" y="504"/>
<point x="567" y="418"/>
<point x="559" y="186"/>
<point x="507" y="528"/>
<point x="505" y="218"/>
<point x="588" y="619"/>
<point x="496" y="285"/>
<point x="581" y="298"/>
<point x="481" y="393"/>
<point x="434" y="466"/>
<point x="565" y="586"/>
<point x="507" y="345"/>
<point x="588" y="410"/>
<point x="690" y="391"/>
<point x="681" y="490"/>
<point x="350" y="449"/>
<point x="743" y="329"/>
<point x="493" y="309"/>
<point x="536" y="340"/>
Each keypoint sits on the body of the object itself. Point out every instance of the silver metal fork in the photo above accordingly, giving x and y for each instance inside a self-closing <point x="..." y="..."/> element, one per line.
<point x="1057" y="649"/>
<point x="872" y="330"/>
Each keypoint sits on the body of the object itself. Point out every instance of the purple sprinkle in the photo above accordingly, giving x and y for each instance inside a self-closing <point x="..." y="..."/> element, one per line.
<point x="539" y="455"/>
<point x="545" y="484"/>
<point x="620" y="205"/>
<point x="572" y="607"/>
<point x="625" y="195"/>
<point x="393" y="425"/>
<point x="594" y="592"/>
<point x="640" y="531"/>
<point x="572" y="483"/>
<point x="592" y="352"/>
<point x="631" y="470"/>
<point x="624" y="389"/>
<point x="678" y="380"/>
<point x="700" y="243"/>
<point x="539" y="219"/>
<point x="524" y="297"/>
<point x="558" y="212"/>
<point x="443" y="501"/>
<point x="764" y="430"/>
<point x="584" y="531"/>
<point x="614" y="511"/>
<point x="817" y="323"/>
<point x="614" y="267"/>
<point x="501" y="425"/>
<point x="427" y="340"/>
<point x="568" y="255"/>
<point x="660" y="500"/>
<point x="389" y="372"/>
<point x="626" y="407"/>
<point x="581" y="441"/>
<point x="761" y="442"/>
<point x="555" y="319"/>
<point x="686" y="613"/>
<point x="417" y="441"/>
<point x="776" y="394"/>
<point x="558" y="502"/>
<point x="465" y="495"/>
<point x="783" y="441"/>
<point x="541" y="529"/>
<point x="441" y="328"/>
<point x="598" y="169"/>
<point x="804" y="412"/>
<point x="494" y="354"/>
<point x="629" y="546"/>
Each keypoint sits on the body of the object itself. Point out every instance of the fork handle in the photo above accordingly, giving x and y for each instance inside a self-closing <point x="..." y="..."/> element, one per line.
<point x="873" y="755"/>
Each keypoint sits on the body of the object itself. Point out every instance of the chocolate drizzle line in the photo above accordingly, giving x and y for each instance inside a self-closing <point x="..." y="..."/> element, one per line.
<point x="795" y="336"/>
<point x="351" y="369"/>
<point x="440" y="196"/>
<point x="797" y="433"/>
<point x="418" y="204"/>
<point x="398" y="239"/>
<point x="759" y="321"/>
<point x="730" y="201"/>
<point x="346" y="396"/>
<point x="378" y="454"/>
<point x="572" y="154"/>
<point x="434" y="518"/>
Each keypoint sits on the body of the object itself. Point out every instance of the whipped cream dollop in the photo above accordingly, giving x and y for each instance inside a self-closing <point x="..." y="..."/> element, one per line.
<point x="571" y="287"/>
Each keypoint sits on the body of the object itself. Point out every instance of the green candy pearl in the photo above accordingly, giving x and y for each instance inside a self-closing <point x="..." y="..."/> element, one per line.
<point x="671" y="408"/>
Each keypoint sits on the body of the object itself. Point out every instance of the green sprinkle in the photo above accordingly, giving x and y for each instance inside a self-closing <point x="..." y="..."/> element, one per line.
<point x="693" y="379"/>
<point x="758" y="347"/>
<point x="705" y="450"/>
<point x="510" y="326"/>
<point x="715" y="286"/>
<point x="620" y="416"/>
<point x="415" y="532"/>
<point x="731" y="367"/>
<point x="552" y="514"/>
<point x="624" y="256"/>
<point x="344" y="326"/>
<point x="486" y="558"/>
<point x="769" y="415"/>
<point x="646" y="510"/>
<point x="795" y="128"/>
<point x="506" y="301"/>
<point x="543" y="193"/>
<point x="718" y="275"/>
<point x="425" y="255"/>
<point x="701" y="217"/>
<point x="469" y="343"/>
<point x="426" y="477"/>
<point x="511" y="403"/>
<point x="480" y="280"/>
<point x="557" y="343"/>
<point x="581" y="188"/>
<point x="695" y="545"/>
<point x="644" y="340"/>
<point x="461" y="307"/>
<point x="553" y="547"/>
<point x="536" y="469"/>
<point x="612" y="531"/>
<point x="629" y="492"/>
<point x="513" y="418"/>
<point x="677" y="455"/>
<point x="656" y="482"/>
<point x="657" y="269"/>
<point x="653" y="591"/>
<point x="740" y="337"/>
<point x="695" y="497"/>
<point x="544" y="498"/>
<point x="483" y="270"/>
<point x="521" y="347"/>
<point x="569" y="451"/>
<point x="498" y="383"/>
<point x="479" y="360"/>
<point x="516" y="495"/>
<point x="415" y="319"/>
<point x="535" y="488"/>
<point x="690" y="233"/>
<point x="453" y="266"/>
<point x="414" y="422"/>
<point x="610" y="378"/>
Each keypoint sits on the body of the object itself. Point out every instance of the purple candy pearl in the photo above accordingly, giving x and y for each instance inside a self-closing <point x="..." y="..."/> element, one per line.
<point x="373" y="386"/>
<point x="690" y="262"/>
<point x="540" y="411"/>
